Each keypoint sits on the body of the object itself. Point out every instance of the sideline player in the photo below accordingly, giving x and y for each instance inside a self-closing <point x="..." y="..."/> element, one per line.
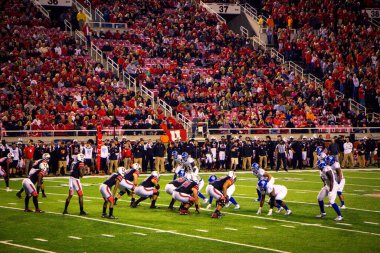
<point x="5" y="162"/>
<point x="35" y="176"/>
<point x="335" y="165"/>
<point x="218" y="190"/>
<point x="187" y="194"/>
<point x="276" y="193"/>
<point x="129" y="182"/>
<point x="149" y="188"/>
<point x="105" y="190"/>
<point x="76" y="172"/>
<point x="328" y="190"/>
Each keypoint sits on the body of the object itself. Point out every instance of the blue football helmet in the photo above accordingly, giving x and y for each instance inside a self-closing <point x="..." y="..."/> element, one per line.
<point x="318" y="150"/>
<point x="255" y="166"/>
<point x="174" y="154"/>
<point x="330" y="160"/>
<point x="185" y="155"/>
<point x="181" y="173"/>
<point x="321" y="164"/>
<point x="212" y="178"/>
<point x="263" y="184"/>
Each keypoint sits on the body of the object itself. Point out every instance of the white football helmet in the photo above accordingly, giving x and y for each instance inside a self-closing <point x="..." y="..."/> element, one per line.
<point x="46" y="156"/>
<point x="80" y="157"/>
<point x="232" y="174"/>
<point x="121" y="171"/>
<point x="44" y="166"/>
<point x="136" y="166"/>
<point x="10" y="155"/>
<point x="155" y="174"/>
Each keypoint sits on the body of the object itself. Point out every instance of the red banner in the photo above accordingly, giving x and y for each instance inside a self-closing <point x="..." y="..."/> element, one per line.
<point x="179" y="134"/>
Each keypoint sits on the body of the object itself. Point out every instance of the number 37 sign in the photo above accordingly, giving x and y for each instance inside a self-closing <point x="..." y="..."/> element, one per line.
<point x="225" y="8"/>
<point x="65" y="3"/>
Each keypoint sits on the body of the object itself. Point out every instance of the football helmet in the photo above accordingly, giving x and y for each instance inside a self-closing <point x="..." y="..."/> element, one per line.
<point x="321" y="164"/>
<point x="174" y="154"/>
<point x="185" y="155"/>
<point x="181" y="173"/>
<point x="318" y="150"/>
<point x="155" y="174"/>
<point x="136" y="166"/>
<point x="263" y="184"/>
<point x="44" y="166"/>
<point x="10" y="156"/>
<point x="330" y="160"/>
<point x="232" y="174"/>
<point x="255" y="166"/>
<point x="80" y="157"/>
<point x="121" y="171"/>
<point x="46" y="156"/>
<point x="212" y="178"/>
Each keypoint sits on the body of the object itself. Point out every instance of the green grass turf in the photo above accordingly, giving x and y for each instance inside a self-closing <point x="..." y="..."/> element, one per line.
<point x="165" y="231"/>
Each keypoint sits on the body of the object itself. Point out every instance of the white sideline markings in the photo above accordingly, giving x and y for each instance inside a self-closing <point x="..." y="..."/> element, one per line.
<point x="40" y="239"/>
<point x="288" y="226"/>
<point x="359" y="190"/>
<point x="258" y="227"/>
<point x="344" y="224"/>
<point x="107" y="235"/>
<point x="12" y="204"/>
<point x="233" y="229"/>
<point x="156" y="230"/>
<point x="74" y="237"/>
<point x="202" y="230"/>
<point x="137" y="233"/>
<point x="25" y="247"/>
<point x="372" y="223"/>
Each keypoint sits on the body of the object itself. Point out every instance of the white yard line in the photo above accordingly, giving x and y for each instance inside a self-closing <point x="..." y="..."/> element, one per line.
<point x="25" y="247"/>
<point x="74" y="237"/>
<point x="288" y="226"/>
<point x="12" y="203"/>
<point x="40" y="239"/>
<point x="137" y="233"/>
<point x="372" y="223"/>
<point x="107" y="235"/>
<point x="164" y="231"/>
<point x="258" y="227"/>
<point x="233" y="229"/>
<point x="201" y="230"/>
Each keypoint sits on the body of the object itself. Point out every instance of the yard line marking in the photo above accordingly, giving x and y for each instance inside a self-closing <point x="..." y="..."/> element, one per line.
<point x="87" y="200"/>
<point x="288" y="226"/>
<point x="61" y="201"/>
<point x="202" y="230"/>
<point x="40" y="239"/>
<point x="160" y="230"/>
<point x="74" y="237"/>
<point x="233" y="229"/>
<point x="106" y="235"/>
<point x="12" y="204"/>
<point x="258" y="227"/>
<point x="359" y="190"/>
<point x="137" y="233"/>
<point x="344" y="224"/>
<point x="372" y="223"/>
<point x="25" y="247"/>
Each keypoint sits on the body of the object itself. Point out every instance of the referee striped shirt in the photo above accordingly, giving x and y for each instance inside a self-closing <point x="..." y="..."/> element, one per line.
<point x="281" y="148"/>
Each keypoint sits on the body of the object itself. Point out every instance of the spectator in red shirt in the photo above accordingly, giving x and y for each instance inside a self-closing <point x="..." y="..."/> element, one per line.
<point x="28" y="156"/>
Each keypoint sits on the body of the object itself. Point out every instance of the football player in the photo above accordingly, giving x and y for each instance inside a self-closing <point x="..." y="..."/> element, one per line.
<point x="76" y="172"/>
<point x="335" y="166"/>
<point x="36" y="165"/>
<point x="170" y="187"/>
<point x="187" y="194"/>
<point x="218" y="190"/>
<point x="230" y="191"/>
<point x="35" y="176"/>
<point x="190" y="167"/>
<point x="276" y="193"/>
<point x="5" y="162"/>
<point x="261" y="175"/>
<point x="149" y="188"/>
<point x="105" y="190"/>
<point x="179" y="168"/>
<point x="328" y="190"/>
<point x="129" y="183"/>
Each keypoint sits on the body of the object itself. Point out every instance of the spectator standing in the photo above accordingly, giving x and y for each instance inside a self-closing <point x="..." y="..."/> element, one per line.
<point x="81" y="18"/>
<point x="104" y="154"/>
<point x="62" y="158"/>
<point x="270" y="151"/>
<point x="148" y="156"/>
<point x="281" y="151"/>
<point x="114" y="156"/>
<point x="159" y="153"/>
<point x="334" y="149"/>
<point x="28" y="156"/>
<point x="347" y="154"/>
<point x="246" y="154"/>
<point x="127" y="155"/>
<point x="234" y="155"/>
<point x="263" y="155"/>
<point x="361" y="153"/>
<point x="138" y="152"/>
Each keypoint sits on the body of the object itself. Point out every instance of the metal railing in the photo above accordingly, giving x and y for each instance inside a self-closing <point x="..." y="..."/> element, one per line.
<point x="84" y="9"/>
<point x="99" y="15"/>
<point x="41" y="8"/>
<point x="147" y="92"/>
<point x="374" y="22"/>
<point x="128" y="79"/>
<point x="95" y="24"/>
<point x="278" y="56"/>
<point x="168" y="110"/>
<point x="256" y="42"/>
<point x="355" y="106"/>
<point x="220" y="18"/>
<point x="372" y="116"/>
<point x="68" y="26"/>
<point x="249" y="10"/>
<point x="185" y="122"/>
<point x="244" y="31"/>
<point x="298" y="71"/>
<point x="111" y="65"/>
<point x="96" y="53"/>
<point x="82" y="38"/>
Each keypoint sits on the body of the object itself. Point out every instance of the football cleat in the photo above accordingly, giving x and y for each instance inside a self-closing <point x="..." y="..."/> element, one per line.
<point x="39" y="211"/>
<point x="339" y="218"/>
<point x="65" y="212"/>
<point x="329" y="205"/>
<point x="216" y="215"/>
<point x="280" y="210"/>
<point x="44" y="195"/>
<point x="8" y="189"/>
<point x="237" y="207"/>
<point x="83" y="213"/>
<point x="184" y="212"/>
<point x="289" y="212"/>
<point x="18" y="195"/>
<point x="111" y="217"/>
<point x="205" y="201"/>
<point x="154" y="207"/>
<point x="343" y="207"/>
<point x="171" y="208"/>
<point x="228" y="204"/>
<point x="133" y="205"/>
<point x="104" y="215"/>
<point x="28" y="211"/>
<point x="321" y="215"/>
<point x="270" y="212"/>
<point x="208" y="206"/>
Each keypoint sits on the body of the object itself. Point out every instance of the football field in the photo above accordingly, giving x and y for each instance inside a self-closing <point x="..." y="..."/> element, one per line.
<point x="161" y="230"/>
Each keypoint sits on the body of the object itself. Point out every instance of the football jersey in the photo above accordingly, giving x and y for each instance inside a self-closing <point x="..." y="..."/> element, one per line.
<point x="187" y="187"/>
<point x="16" y="153"/>
<point x="188" y="163"/>
<point x="218" y="184"/>
<point x="75" y="149"/>
<point x="75" y="169"/>
<point x="335" y="167"/>
<point x="36" y="164"/>
<point x="3" y="162"/>
<point x="129" y="174"/>
<point x="34" y="173"/>
<point x="323" y="174"/>
<point x="276" y="188"/>
<point x="178" y="182"/>
<point x="222" y="146"/>
<point x="88" y="152"/>
<point x="111" y="181"/>
<point x="147" y="183"/>
<point x="260" y="174"/>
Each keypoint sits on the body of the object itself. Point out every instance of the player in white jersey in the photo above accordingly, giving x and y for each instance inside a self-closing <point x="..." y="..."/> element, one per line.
<point x="88" y="151"/>
<point x="328" y="190"/>
<point x="261" y="175"/>
<point x="190" y="167"/>
<point x="276" y="193"/>
<point x="335" y="166"/>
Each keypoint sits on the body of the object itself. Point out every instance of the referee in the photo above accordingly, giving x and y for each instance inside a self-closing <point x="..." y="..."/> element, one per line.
<point x="281" y="155"/>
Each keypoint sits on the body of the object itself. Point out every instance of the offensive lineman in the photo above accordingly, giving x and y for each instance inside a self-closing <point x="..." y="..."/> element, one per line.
<point x="129" y="182"/>
<point x="149" y="188"/>
<point x="187" y="194"/>
<point x="171" y="186"/>
<point x="77" y="171"/>
<point x="5" y="162"/>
